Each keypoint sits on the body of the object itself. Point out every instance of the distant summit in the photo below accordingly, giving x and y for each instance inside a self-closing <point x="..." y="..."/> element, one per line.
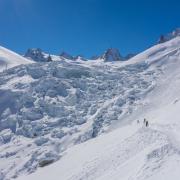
<point x="66" y="56"/>
<point x="112" y="54"/>
<point x="169" y="36"/>
<point x="80" y="57"/>
<point x="37" y="55"/>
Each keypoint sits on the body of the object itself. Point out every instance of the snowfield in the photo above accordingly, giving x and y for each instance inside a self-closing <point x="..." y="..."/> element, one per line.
<point x="9" y="59"/>
<point x="82" y="115"/>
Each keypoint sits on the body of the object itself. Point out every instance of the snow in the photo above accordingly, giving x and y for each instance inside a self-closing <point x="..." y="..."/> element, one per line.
<point x="77" y="120"/>
<point x="121" y="153"/>
<point x="9" y="59"/>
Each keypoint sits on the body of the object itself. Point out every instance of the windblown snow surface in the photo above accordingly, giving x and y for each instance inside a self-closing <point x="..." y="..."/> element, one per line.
<point x="9" y="59"/>
<point x="83" y="115"/>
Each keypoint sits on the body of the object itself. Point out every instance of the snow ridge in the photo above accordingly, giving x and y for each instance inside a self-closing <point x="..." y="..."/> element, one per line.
<point x="9" y="59"/>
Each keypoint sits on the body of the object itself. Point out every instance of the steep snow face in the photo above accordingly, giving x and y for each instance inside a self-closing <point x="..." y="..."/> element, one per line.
<point x="130" y="151"/>
<point x="9" y="59"/>
<point x="37" y="55"/>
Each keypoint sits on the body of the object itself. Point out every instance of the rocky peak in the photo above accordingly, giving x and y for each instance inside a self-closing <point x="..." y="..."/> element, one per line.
<point x="169" y="36"/>
<point x="37" y="55"/>
<point x="66" y="56"/>
<point x="112" y="54"/>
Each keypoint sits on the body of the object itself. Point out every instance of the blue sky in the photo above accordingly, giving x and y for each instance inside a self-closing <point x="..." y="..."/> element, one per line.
<point x="85" y="27"/>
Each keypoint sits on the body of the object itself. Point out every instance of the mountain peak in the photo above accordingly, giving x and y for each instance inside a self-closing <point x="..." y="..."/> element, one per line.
<point x="66" y="56"/>
<point x="37" y="55"/>
<point x="112" y="54"/>
<point x="80" y="57"/>
<point x="169" y="36"/>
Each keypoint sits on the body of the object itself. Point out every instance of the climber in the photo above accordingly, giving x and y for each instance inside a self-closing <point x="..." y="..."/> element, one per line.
<point x="144" y="121"/>
<point x="147" y="123"/>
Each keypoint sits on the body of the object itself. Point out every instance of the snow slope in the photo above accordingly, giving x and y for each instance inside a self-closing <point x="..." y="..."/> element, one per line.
<point x="9" y="59"/>
<point x="84" y="115"/>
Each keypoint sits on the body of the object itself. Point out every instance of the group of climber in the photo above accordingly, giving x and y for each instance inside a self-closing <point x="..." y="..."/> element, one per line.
<point x="145" y="122"/>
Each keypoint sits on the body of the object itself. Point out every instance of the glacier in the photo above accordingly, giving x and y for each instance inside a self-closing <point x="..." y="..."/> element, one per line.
<point x="82" y="117"/>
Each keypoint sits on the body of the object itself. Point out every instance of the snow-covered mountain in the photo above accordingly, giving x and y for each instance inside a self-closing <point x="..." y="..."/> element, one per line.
<point x="145" y="87"/>
<point x="66" y="56"/>
<point x="87" y="117"/>
<point x="113" y="54"/>
<point x="9" y="59"/>
<point x="169" y="36"/>
<point x="37" y="55"/>
<point x="110" y="55"/>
